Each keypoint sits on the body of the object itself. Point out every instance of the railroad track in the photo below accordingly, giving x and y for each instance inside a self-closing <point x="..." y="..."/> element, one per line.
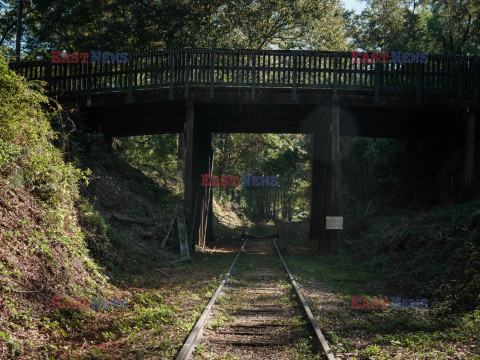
<point x="258" y="316"/>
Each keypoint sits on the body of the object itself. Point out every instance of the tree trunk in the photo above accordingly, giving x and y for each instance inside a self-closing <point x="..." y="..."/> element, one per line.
<point x="19" y="30"/>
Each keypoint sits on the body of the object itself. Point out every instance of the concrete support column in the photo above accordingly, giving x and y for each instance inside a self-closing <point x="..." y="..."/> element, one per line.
<point x="210" y="234"/>
<point x="319" y="177"/>
<point x="326" y="182"/>
<point x="198" y="155"/>
<point x="205" y="206"/>
<point x="191" y="138"/>
<point x="335" y="200"/>
<point x="320" y="185"/>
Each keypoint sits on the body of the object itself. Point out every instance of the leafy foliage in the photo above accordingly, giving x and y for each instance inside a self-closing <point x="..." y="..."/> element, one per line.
<point x="27" y="154"/>
<point x="149" y="25"/>
<point x="434" y="254"/>
<point x="448" y="27"/>
<point x="155" y="154"/>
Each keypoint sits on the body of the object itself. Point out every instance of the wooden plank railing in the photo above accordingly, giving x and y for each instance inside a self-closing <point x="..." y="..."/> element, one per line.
<point x="214" y="69"/>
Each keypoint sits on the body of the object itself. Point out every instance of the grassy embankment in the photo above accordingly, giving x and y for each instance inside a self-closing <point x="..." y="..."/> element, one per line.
<point x="433" y="255"/>
<point x="70" y="233"/>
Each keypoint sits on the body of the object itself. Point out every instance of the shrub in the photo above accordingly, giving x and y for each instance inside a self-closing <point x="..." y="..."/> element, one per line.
<point x="115" y="237"/>
<point x="28" y="157"/>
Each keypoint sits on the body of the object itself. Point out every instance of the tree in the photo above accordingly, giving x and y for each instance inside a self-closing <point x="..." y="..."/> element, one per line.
<point x="121" y="25"/>
<point x="284" y="24"/>
<point x="454" y="26"/>
<point x="384" y="26"/>
<point x="448" y="27"/>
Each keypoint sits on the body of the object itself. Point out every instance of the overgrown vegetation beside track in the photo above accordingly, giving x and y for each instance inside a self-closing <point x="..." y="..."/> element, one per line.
<point x="60" y="238"/>
<point x="162" y="310"/>
<point x="331" y="282"/>
<point x="42" y="249"/>
<point x="433" y="255"/>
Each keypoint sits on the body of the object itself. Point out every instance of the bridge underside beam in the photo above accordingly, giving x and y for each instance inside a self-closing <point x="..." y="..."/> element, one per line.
<point x="372" y="122"/>
<point x="169" y="117"/>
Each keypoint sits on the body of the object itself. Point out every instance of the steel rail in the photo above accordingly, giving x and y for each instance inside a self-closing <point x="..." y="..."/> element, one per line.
<point x="196" y="334"/>
<point x="325" y="348"/>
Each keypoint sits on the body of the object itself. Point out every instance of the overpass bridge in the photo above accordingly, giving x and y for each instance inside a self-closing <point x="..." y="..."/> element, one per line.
<point x="201" y="91"/>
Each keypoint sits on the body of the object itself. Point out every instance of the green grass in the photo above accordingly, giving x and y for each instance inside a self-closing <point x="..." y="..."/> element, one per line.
<point x="433" y="255"/>
<point x="158" y="319"/>
<point x="387" y="331"/>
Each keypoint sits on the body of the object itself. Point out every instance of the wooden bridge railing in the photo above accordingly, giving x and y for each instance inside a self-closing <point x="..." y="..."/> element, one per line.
<point x="214" y="69"/>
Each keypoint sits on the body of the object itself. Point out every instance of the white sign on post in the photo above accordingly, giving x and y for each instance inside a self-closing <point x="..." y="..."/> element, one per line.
<point x="334" y="222"/>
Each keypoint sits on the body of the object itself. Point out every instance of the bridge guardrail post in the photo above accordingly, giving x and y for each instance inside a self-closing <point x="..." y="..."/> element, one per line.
<point x="89" y="84"/>
<point x="254" y="75"/>
<point x="212" y="73"/>
<point x="419" y="83"/>
<point x="172" y="69"/>
<point x="187" y="72"/>
<point x="377" y="81"/>
<point x="48" y="76"/>
<point x="294" y="77"/>
<point x="335" y="82"/>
